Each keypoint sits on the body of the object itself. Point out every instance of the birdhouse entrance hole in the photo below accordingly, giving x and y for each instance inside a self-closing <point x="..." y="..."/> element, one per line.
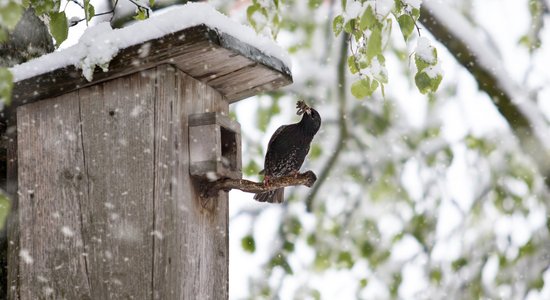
<point x="229" y="148"/>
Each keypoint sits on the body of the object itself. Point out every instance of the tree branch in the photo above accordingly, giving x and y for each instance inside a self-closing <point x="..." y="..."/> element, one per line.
<point x="342" y="125"/>
<point x="524" y="119"/>
<point x="212" y="188"/>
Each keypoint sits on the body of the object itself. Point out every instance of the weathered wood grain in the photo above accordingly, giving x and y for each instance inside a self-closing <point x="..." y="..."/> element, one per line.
<point x="191" y="239"/>
<point x="236" y="69"/>
<point x="117" y="129"/>
<point x="51" y="191"/>
<point x="107" y="207"/>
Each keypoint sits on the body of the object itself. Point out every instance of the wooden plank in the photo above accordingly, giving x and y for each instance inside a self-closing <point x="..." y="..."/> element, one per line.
<point x="51" y="191"/>
<point x="248" y="81"/>
<point x="199" y="51"/>
<point x="191" y="248"/>
<point x="117" y="128"/>
<point x="12" y="223"/>
<point x="211" y="224"/>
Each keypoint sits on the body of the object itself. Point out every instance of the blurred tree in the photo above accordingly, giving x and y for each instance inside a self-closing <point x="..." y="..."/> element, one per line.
<point x="409" y="209"/>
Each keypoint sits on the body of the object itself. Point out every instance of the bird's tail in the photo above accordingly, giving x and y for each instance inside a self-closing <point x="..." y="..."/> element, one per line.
<point x="276" y="196"/>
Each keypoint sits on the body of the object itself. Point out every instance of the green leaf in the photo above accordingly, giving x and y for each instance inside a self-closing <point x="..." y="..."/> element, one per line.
<point x="141" y="15"/>
<point x="394" y="286"/>
<point x="352" y="64"/>
<point x="459" y="263"/>
<point x="248" y="244"/>
<point x="252" y="168"/>
<point x="338" y="25"/>
<point x="360" y="88"/>
<point x="436" y="275"/>
<point x="5" y="208"/>
<point x="6" y="85"/>
<point x="251" y="11"/>
<point x="373" y="85"/>
<point x="293" y="226"/>
<point x="374" y="44"/>
<point x="311" y="239"/>
<point x="367" y="249"/>
<point x="528" y="249"/>
<point x="368" y="19"/>
<point x="406" y="23"/>
<point x="363" y="87"/>
<point x="398" y="5"/>
<point x="314" y="3"/>
<point x="10" y="15"/>
<point x="315" y="294"/>
<point x="3" y="35"/>
<point x="415" y="13"/>
<point x="315" y="151"/>
<point x="59" y="27"/>
<point x="281" y="261"/>
<point x="349" y="27"/>
<point x="288" y="246"/>
<point x="345" y="259"/>
<point x="90" y="12"/>
<point x="538" y="283"/>
<point x="151" y="3"/>
<point x="321" y="261"/>
<point x="425" y="83"/>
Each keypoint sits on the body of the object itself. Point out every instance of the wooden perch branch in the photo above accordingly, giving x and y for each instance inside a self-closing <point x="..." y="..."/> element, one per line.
<point x="212" y="188"/>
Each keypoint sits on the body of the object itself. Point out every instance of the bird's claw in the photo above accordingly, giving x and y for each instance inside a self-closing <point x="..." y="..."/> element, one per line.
<point x="266" y="181"/>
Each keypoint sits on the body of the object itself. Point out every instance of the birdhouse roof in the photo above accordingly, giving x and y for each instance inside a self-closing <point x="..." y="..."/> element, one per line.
<point x="195" y="38"/>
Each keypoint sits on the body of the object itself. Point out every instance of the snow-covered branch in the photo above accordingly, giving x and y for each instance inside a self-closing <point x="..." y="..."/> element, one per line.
<point x="526" y="121"/>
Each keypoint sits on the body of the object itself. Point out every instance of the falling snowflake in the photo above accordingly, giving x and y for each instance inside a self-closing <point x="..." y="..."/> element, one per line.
<point x="26" y="256"/>
<point x="157" y="234"/>
<point x="67" y="231"/>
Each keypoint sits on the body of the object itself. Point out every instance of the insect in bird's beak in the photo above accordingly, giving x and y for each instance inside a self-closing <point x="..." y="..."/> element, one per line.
<point x="302" y="108"/>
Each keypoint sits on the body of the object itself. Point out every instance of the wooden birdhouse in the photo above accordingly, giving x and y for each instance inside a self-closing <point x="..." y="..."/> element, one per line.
<point x="105" y="173"/>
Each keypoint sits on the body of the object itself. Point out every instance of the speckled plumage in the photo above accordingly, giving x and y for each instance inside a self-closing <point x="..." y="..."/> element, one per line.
<point x="287" y="150"/>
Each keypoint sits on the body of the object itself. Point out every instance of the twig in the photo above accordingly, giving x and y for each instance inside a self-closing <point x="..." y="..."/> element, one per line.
<point x="77" y="3"/>
<point x="141" y="7"/>
<point x="210" y="189"/>
<point x="112" y="11"/>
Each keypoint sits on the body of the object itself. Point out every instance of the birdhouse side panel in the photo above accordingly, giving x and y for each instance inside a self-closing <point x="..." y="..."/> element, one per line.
<point x="191" y="255"/>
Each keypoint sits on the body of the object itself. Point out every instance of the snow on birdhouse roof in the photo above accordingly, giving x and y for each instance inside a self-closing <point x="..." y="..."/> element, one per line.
<point x="196" y="38"/>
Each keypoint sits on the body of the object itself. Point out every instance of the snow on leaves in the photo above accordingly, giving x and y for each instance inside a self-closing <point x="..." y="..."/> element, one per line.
<point x="368" y="25"/>
<point x="429" y="72"/>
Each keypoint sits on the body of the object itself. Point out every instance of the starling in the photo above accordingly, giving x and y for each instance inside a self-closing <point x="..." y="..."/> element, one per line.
<point x="287" y="150"/>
